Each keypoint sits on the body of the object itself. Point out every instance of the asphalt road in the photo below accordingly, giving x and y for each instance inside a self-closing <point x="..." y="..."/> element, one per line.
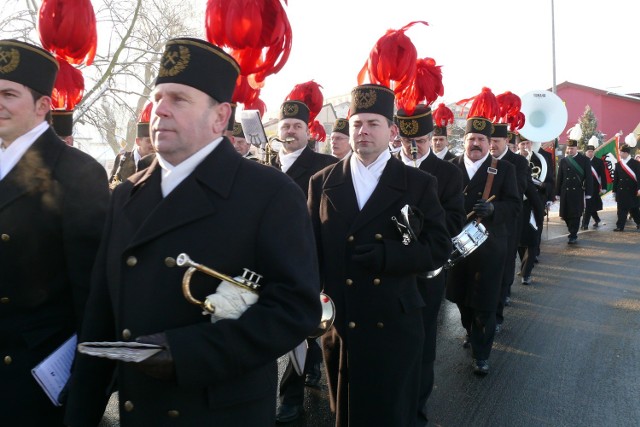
<point x="568" y="354"/>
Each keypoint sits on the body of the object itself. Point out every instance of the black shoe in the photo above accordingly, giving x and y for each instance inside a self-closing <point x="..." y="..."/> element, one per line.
<point x="526" y="280"/>
<point x="287" y="413"/>
<point x="584" y="227"/>
<point x="536" y="261"/>
<point x="507" y="301"/>
<point x="637" y="226"/>
<point x="572" y="240"/>
<point x="498" y="327"/>
<point x="596" y="224"/>
<point x="466" y="343"/>
<point x="480" y="367"/>
<point x="618" y="229"/>
<point x="314" y="376"/>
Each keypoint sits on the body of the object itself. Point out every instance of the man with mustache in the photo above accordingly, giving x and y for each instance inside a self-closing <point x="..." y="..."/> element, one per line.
<point x="474" y="283"/>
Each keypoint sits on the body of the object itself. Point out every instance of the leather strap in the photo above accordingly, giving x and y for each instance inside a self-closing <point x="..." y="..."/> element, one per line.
<point x="491" y="172"/>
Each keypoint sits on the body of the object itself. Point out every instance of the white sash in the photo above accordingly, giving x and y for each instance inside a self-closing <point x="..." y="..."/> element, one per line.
<point x="629" y="172"/>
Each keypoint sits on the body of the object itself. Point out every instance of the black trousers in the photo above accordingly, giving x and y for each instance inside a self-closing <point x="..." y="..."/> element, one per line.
<point x="573" y="224"/>
<point x="292" y="384"/>
<point x="622" y="216"/>
<point x="481" y="327"/>
<point x="527" y="259"/>
<point x="586" y="217"/>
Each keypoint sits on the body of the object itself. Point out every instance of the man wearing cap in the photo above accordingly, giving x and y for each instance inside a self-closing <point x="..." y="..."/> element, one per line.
<point x="626" y="189"/>
<point x="200" y="198"/>
<point x="378" y="224"/>
<point x="573" y="185"/>
<point x="295" y="158"/>
<point x="128" y="162"/>
<point x="62" y="122"/>
<point x="340" y="139"/>
<point x="440" y="143"/>
<point x="474" y="283"/>
<point x="599" y="179"/>
<point x="53" y="201"/>
<point x="416" y="133"/>
<point x="240" y="143"/>
<point x="499" y="149"/>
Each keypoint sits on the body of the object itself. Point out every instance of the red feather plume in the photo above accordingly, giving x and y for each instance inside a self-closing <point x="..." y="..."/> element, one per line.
<point x="145" y="114"/>
<point x="67" y="28"/>
<point x="392" y="60"/>
<point x="484" y="105"/>
<point x="310" y="94"/>
<point x="516" y="121"/>
<point x="257" y="33"/>
<point x="426" y="87"/>
<point x="443" y="116"/>
<point x="68" y="87"/>
<point x="510" y="104"/>
<point x="317" y="131"/>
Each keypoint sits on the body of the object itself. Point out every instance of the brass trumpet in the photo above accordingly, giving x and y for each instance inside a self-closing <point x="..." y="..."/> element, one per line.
<point x="248" y="281"/>
<point x="272" y="148"/>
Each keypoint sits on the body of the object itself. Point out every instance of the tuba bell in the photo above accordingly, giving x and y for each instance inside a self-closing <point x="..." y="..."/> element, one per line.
<point x="545" y="116"/>
<point x="248" y="287"/>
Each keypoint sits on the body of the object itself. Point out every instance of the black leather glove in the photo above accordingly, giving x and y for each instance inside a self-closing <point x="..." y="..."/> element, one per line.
<point x="370" y="256"/>
<point x="160" y="365"/>
<point x="416" y="220"/>
<point x="483" y="209"/>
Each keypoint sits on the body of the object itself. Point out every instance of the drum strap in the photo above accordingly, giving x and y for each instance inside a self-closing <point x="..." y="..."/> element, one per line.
<point x="491" y="172"/>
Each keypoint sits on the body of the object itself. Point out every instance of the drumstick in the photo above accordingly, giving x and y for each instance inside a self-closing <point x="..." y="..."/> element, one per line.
<point x="470" y="214"/>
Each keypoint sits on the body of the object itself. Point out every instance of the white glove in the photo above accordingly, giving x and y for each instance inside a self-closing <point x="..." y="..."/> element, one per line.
<point x="230" y="301"/>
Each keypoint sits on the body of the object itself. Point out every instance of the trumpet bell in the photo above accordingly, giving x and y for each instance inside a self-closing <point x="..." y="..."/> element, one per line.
<point x="545" y="116"/>
<point x="328" y="315"/>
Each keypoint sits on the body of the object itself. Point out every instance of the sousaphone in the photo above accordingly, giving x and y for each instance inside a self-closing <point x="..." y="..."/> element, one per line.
<point x="545" y="116"/>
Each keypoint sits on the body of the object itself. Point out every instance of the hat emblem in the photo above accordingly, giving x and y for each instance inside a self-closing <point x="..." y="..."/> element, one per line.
<point x="341" y="124"/>
<point x="290" y="109"/>
<point x="174" y="61"/>
<point x="365" y="99"/>
<point x="409" y="127"/>
<point x="9" y="60"/>
<point x="479" y="125"/>
<point x="237" y="128"/>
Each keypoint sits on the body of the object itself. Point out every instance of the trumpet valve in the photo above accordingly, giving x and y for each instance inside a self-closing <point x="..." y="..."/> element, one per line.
<point x="250" y="279"/>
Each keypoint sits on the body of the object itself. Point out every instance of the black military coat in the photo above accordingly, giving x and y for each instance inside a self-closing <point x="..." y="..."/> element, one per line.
<point x="228" y="214"/>
<point x="123" y="167"/>
<point x="529" y="236"/>
<point x="378" y="324"/>
<point x="449" y="156"/>
<point x="546" y="184"/>
<point x="476" y="280"/>
<point x="597" y="172"/>
<point x="571" y="186"/>
<point x="308" y="163"/>
<point x="52" y="209"/>
<point x="625" y="187"/>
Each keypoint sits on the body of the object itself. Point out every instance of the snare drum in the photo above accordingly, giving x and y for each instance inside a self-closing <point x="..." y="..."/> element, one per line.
<point x="470" y="238"/>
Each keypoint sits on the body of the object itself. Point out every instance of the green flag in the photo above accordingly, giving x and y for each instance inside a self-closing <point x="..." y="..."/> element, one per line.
<point x="608" y="152"/>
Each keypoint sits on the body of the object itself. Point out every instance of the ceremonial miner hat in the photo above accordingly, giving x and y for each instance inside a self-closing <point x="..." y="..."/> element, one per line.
<point x="29" y="65"/>
<point x="484" y="110"/>
<point x="142" y="129"/>
<point x="500" y="130"/>
<point x="201" y="65"/>
<point x="589" y="147"/>
<point x="414" y="125"/>
<point x="522" y="137"/>
<point x="624" y="148"/>
<point x="237" y="130"/>
<point x="372" y="98"/>
<point x="442" y="116"/>
<point x="62" y="122"/>
<point x="572" y="143"/>
<point x="342" y="126"/>
<point x="513" y="137"/>
<point x="294" y="110"/>
<point x="232" y="120"/>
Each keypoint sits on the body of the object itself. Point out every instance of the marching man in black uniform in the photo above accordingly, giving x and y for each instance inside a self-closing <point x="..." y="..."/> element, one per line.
<point x="199" y="197"/>
<point x="474" y="283"/>
<point x="599" y="178"/>
<point x="416" y="132"/>
<point x="378" y="224"/>
<point x="573" y="185"/>
<point x="626" y="189"/>
<point x="53" y="202"/>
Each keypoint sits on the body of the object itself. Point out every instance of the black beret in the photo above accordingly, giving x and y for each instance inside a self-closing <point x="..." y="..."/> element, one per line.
<point x="372" y="98"/>
<point x="29" y="65"/>
<point x="479" y="125"/>
<point x="419" y="123"/>
<point x="201" y="65"/>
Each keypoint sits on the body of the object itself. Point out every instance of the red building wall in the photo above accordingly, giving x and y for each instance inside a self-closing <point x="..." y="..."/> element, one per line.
<point x="613" y="112"/>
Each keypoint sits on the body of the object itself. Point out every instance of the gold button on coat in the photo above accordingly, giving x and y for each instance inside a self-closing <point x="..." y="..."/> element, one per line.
<point x="126" y="334"/>
<point x="8" y="360"/>
<point x="378" y="236"/>
<point x="4" y="300"/>
<point x="350" y="239"/>
<point x="376" y="282"/>
<point x="6" y="237"/>
<point x="128" y="406"/>
<point x="170" y="262"/>
<point x="352" y="325"/>
<point x="132" y="261"/>
<point x="173" y="413"/>
<point x="349" y="282"/>
<point x="380" y="325"/>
